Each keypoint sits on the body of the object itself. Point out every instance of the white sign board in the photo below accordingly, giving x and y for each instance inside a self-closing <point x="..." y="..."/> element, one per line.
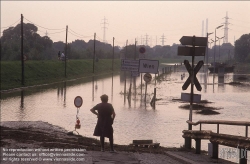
<point x="148" y="66"/>
<point x="187" y="97"/>
<point x="129" y="65"/>
<point x="135" y="74"/>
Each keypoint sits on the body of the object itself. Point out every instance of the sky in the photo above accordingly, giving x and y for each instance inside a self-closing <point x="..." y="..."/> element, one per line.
<point x="147" y="22"/>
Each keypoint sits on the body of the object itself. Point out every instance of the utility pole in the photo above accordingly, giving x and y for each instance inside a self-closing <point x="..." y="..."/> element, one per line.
<point x="162" y="39"/>
<point x="113" y="56"/>
<point x="94" y="56"/>
<point x="22" y="58"/>
<point x="135" y="50"/>
<point x="65" y="58"/>
<point x="104" y="29"/>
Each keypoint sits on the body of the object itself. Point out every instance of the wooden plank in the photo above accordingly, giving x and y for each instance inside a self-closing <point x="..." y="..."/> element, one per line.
<point x="225" y="122"/>
<point x="142" y="142"/>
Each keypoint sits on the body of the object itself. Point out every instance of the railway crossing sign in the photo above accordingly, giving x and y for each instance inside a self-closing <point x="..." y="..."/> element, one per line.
<point x="192" y="74"/>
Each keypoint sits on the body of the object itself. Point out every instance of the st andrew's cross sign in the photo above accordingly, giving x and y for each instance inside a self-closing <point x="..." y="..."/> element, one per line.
<point x="196" y="70"/>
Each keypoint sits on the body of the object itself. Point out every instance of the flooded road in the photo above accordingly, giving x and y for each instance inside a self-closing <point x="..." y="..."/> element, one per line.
<point x="136" y="119"/>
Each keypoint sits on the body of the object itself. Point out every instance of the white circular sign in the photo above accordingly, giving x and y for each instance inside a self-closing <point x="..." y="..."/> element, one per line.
<point x="78" y="101"/>
<point x="147" y="77"/>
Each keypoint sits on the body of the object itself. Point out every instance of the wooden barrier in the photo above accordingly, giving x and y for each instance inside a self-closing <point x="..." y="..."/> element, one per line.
<point x="145" y="143"/>
<point x="240" y="142"/>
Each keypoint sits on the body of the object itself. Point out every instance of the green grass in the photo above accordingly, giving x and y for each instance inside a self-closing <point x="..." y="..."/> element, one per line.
<point x="41" y="72"/>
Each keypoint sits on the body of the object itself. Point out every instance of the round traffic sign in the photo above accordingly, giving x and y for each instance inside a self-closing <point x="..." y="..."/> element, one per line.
<point x="142" y="50"/>
<point x="147" y="77"/>
<point x="78" y="101"/>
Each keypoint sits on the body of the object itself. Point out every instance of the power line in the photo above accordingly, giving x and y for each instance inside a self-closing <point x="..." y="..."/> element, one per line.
<point x="11" y="24"/>
<point x="42" y="26"/>
<point x="79" y="36"/>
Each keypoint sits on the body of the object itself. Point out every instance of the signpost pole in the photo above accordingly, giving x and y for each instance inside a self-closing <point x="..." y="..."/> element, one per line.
<point x="188" y="143"/>
<point x="145" y="91"/>
<point x="192" y="51"/>
<point x="141" y="86"/>
<point x="125" y="75"/>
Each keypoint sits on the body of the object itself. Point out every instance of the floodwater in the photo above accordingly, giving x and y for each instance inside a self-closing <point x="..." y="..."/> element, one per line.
<point x="136" y="119"/>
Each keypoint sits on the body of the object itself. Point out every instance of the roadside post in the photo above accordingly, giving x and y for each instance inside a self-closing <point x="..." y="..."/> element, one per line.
<point x="132" y="66"/>
<point x="142" y="50"/>
<point x="196" y="47"/>
<point x="78" y="104"/>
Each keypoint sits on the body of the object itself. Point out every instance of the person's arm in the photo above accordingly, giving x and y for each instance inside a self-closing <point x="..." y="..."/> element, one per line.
<point x="94" y="111"/>
<point x="113" y="114"/>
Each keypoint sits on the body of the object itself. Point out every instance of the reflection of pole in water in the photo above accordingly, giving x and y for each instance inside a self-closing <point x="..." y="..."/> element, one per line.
<point x="64" y="100"/>
<point x="145" y="91"/>
<point x="134" y="91"/>
<point x="96" y="86"/>
<point x="125" y="88"/>
<point x="93" y="86"/>
<point x="22" y="100"/>
<point x="112" y="89"/>
<point x="205" y="81"/>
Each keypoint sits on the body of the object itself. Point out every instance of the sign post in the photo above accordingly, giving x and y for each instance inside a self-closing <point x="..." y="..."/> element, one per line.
<point x="78" y="104"/>
<point x="147" y="78"/>
<point x="192" y="50"/>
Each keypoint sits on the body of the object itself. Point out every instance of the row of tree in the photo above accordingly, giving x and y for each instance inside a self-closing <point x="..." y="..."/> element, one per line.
<point x="38" y="47"/>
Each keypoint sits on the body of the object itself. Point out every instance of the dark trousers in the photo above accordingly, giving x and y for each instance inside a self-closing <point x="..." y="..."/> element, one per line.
<point x="111" y="142"/>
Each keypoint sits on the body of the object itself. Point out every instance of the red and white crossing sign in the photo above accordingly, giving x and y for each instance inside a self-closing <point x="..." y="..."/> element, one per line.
<point x="196" y="70"/>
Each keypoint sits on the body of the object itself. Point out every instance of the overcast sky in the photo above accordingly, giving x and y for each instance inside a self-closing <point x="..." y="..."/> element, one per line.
<point x="129" y="20"/>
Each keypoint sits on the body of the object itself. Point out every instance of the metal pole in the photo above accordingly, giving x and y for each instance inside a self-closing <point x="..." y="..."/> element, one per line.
<point x="94" y="56"/>
<point x="125" y="75"/>
<point x="219" y="50"/>
<point x="65" y="52"/>
<point x="214" y="47"/>
<point x="113" y="56"/>
<point x="22" y="61"/>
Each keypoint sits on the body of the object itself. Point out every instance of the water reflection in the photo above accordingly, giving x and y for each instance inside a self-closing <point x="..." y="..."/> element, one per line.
<point x="93" y="86"/>
<point x="22" y="100"/>
<point x="22" y="111"/>
<point x="61" y="92"/>
<point x="112" y="85"/>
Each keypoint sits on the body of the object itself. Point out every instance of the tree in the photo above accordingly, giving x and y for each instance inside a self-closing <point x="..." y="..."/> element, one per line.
<point x="33" y="44"/>
<point x="242" y="48"/>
